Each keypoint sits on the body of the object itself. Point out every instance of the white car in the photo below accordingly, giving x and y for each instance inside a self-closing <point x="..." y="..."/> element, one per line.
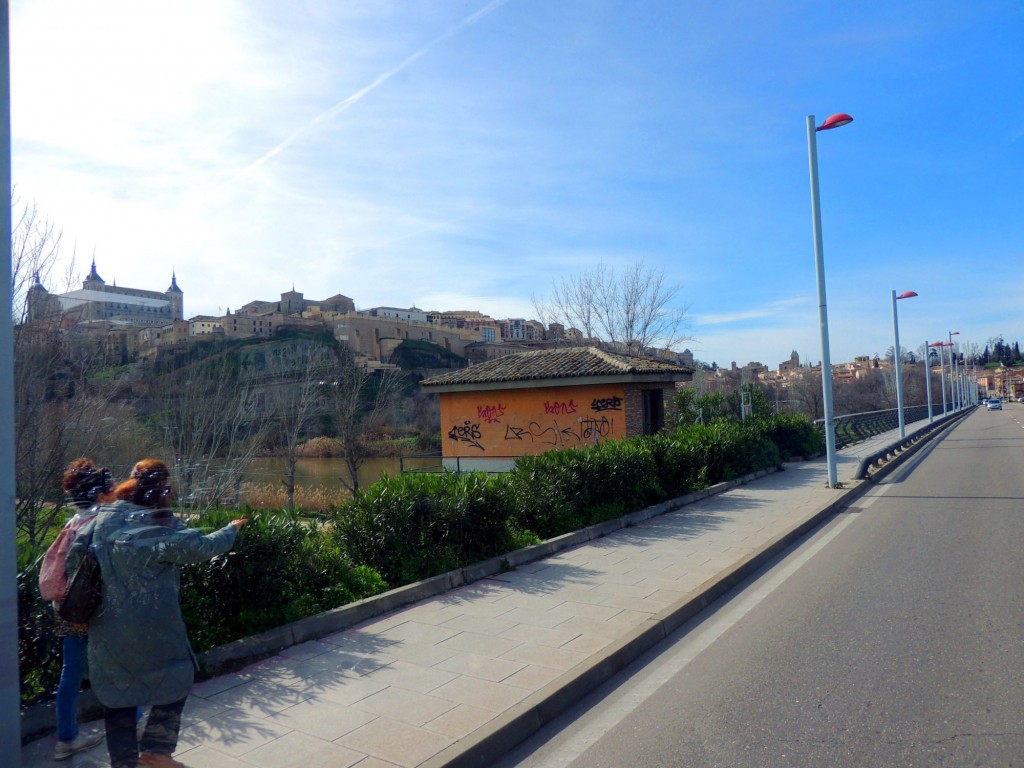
<point x="994" y="404"/>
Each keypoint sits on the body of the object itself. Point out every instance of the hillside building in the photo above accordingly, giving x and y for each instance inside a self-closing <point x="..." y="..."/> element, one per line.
<point x="97" y="301"/>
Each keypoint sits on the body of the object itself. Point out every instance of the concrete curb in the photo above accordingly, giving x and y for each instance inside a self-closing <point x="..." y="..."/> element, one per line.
<point x="910" y="444"/>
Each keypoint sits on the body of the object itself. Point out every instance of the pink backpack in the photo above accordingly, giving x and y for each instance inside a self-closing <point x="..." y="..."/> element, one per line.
<point x="53" y="577"/>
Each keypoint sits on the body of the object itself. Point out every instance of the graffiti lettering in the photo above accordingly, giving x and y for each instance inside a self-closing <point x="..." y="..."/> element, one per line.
<point x="467" y="432"/>
<point x="588" y="429"/>
<point x="606" y="404"/>
<point x="560" y="408"/>
<point x="548" y="436"/>
<point x="490" y="413"/>
<point x="592" y="429"/>
<point x="514" y="433"/>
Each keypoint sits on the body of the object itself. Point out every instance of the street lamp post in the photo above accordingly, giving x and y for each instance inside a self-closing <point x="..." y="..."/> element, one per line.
<point x="899" y="369"/>
<point x="942" y="370"/>
<point x="834" y="121"/>
<point x="928" y="380"/>
<point x="954" y="395"/>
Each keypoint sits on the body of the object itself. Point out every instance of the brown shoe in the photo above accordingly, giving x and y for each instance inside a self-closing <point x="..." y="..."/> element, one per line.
<point x="159" y="761"/>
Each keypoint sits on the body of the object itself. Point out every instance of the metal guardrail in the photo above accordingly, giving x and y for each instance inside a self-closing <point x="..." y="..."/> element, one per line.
<point x="908" y="444"/>
<point x="855" y="427"/>
<point x="434" y="462"/>
<point x="423" y="462"/>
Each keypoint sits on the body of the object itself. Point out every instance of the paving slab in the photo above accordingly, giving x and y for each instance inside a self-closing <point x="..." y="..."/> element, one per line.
<point x="455" y="678"/>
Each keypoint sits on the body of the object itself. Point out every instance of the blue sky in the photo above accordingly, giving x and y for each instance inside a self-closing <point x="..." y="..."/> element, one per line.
<point x="463" y="154"/>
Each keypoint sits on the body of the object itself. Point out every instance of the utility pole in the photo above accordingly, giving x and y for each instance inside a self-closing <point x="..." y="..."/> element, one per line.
<point x="10" y="715"/>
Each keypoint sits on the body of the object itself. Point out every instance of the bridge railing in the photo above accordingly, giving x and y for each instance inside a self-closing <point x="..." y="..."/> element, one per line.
<point x="854" y="427"/>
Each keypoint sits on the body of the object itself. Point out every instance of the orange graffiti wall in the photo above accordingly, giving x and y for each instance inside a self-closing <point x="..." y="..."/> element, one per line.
<point x="517" y="422"/>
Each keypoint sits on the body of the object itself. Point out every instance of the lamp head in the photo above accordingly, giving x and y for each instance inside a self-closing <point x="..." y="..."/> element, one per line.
<point x="907" y="295"/>
<point x="837" y="120"/>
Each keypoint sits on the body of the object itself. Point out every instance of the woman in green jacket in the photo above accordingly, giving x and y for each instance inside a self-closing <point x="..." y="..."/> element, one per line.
<point x="139" y="653"/>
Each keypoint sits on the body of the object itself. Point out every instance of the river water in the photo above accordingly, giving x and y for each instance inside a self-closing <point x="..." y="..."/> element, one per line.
<point x="320" y="473"/>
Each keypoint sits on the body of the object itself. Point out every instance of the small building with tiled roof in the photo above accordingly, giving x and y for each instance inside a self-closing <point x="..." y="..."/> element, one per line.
<point x="547" y="399"/>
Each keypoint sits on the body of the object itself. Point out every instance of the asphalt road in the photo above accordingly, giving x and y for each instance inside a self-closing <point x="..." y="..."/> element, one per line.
<point x="892" y="637"/>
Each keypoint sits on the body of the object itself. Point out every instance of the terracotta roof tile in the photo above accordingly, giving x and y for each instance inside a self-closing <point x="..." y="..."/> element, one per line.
<point x="570" y="362"/>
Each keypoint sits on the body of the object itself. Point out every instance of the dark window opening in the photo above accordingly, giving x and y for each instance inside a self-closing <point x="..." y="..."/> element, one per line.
<point x="654" y="411"/>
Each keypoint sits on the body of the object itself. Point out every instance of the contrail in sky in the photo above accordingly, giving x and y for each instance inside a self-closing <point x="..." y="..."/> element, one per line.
<point x="343" y="105"/>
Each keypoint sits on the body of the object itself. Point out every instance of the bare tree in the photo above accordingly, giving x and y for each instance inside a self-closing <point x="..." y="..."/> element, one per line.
<point x="296" y="390"/>
<point x="35" y="255"/>
<point x="209" y="420"/>
<point x="62" y="407"/>
<point x="631" y="311"/>
<point x="805" y="390"/>
<point x="574" y="303"/>
<point x="360" y="399"/>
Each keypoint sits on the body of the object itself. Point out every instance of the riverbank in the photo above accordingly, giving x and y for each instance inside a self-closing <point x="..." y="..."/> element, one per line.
<point x="378" y="448"/>
<point x="323" y="480"/>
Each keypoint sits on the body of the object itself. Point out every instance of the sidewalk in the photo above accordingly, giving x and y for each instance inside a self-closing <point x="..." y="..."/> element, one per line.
<point x="455" y="679"/>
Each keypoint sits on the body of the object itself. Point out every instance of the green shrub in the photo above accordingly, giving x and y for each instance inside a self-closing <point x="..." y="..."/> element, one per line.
<point x="544" y="493"/>
<point x="712" y="406"/>
<point x="795" y="436"/>
<point x="679" y="462"/>
<point x="39" y="650"/>
<point x="414" y="526"/>
<point x="281" y="569"/>
<point x="730" y="448"/>
<point x="561" y="491"/>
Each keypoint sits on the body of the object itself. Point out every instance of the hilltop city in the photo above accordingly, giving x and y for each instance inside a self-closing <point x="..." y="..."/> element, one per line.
<point x="136" y="323"/>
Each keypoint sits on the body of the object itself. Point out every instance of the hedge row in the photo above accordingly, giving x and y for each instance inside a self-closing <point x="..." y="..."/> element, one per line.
<point x="419" y="525"/>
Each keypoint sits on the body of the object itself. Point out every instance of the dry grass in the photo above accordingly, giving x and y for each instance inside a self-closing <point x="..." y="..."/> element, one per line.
<point x="273" y="496"/>
<point x="320" y="448"/>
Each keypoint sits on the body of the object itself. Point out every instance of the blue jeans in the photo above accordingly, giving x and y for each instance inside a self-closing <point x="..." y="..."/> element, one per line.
<point x="70" y="682"/>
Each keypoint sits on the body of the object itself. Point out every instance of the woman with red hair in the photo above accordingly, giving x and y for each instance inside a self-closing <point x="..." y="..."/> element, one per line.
<point x="139" y="651"/>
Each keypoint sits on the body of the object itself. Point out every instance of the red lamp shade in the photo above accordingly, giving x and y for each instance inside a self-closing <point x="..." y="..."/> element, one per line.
<point x="835" y="121"/>
<point x="907" y="295"/>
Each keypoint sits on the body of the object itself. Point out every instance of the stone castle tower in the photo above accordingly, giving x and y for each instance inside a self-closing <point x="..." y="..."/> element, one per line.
<point x="176" y="298"/>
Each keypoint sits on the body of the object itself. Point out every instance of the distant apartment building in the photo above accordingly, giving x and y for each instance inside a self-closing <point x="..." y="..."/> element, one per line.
<point x="173" y="333"/>
<point x="535" y="331"/>
<point x="206" y="325"/>
<point x="412" y="315"/>
<point x="488" y="328"/>
<point x="513" y="329"/>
